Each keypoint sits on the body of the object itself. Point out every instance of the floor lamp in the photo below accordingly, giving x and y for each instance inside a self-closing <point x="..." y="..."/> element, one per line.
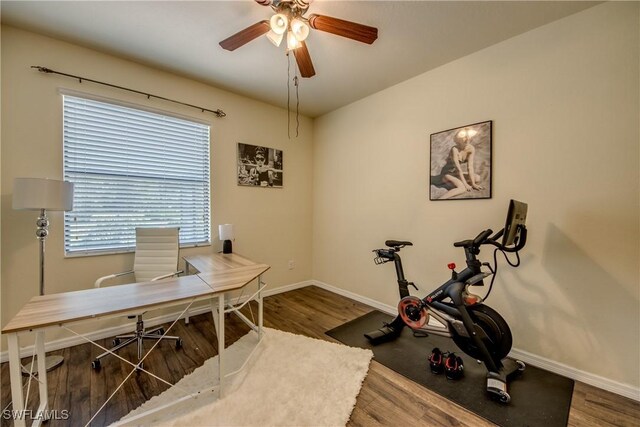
<point x="42" y="195"/>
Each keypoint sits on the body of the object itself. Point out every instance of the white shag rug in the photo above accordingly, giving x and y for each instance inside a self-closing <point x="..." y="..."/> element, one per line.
<point x="291" y="380"/>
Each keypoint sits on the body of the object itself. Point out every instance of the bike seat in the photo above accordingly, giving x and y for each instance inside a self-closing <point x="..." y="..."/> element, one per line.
<point x="396" y="243"/>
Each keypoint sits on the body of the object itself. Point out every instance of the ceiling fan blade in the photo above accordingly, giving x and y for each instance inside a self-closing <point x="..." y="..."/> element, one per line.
<point x="348" y="29"/>
<point x="245" y="36"/>
<point x="304" y="61"/>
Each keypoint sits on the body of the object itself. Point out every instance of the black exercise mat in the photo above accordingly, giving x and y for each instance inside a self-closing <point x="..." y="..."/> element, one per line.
<point x="538" y="397"/>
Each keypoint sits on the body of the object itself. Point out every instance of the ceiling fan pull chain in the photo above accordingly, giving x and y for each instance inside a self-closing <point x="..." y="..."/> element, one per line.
<point x="288" y="96"/>
<point x="295" y="82"/>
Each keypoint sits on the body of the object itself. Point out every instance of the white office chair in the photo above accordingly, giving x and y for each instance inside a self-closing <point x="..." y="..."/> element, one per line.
<point x="156" y="257"/>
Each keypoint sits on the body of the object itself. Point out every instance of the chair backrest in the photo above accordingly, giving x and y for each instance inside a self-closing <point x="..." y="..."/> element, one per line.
<point x="157" y="252"/>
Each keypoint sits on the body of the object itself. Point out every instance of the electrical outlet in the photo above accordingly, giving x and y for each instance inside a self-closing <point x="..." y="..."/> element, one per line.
<point x="292" y="264"/>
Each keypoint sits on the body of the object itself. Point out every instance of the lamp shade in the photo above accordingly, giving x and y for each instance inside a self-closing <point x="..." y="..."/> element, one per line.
<point x="275" y="38"/>
<point x="225" y="231"/>
<point x="299" y="29"/>
<point x="42" y="193"/>
<point x="292" y="41"/>
<point x="279" y="23"/>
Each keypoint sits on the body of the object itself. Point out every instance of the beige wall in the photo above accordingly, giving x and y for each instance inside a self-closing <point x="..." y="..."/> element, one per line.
<point x="564" y="103"/>
<point x="272" y="225"/>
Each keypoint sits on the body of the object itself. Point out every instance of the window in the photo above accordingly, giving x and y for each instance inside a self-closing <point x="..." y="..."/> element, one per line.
<point x="132" y="168"/>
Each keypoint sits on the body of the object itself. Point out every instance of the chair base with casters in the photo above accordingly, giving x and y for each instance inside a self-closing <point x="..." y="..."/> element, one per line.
<point x="156" y="257"/>
<point x="138" y="336"/>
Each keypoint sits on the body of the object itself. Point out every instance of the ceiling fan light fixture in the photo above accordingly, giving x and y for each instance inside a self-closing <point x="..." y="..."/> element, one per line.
<point x="279" y="23"/>
<point x="300" y="29"/>
<point x="292" y="41"/>
<point x="288" y="16"/>
<point x="275" y="38"/>
<point x="302" y="4"/>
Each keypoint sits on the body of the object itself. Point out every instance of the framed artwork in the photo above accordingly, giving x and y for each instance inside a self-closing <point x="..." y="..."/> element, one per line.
<point x="259" y="166"/>
<point x="461" y="163"/>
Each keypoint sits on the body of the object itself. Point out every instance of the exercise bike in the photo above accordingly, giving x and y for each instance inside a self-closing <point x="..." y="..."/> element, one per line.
<point x="476" y="329"/>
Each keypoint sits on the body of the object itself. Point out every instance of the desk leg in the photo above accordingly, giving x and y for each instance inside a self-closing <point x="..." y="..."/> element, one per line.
<point x="42" y="376"/>
<point x="15" y="372"/>
<point x="218" y="321"/>
<point x="186" y="272"/>
<point x="260" y="306"/>
<point x="221" y="341"/>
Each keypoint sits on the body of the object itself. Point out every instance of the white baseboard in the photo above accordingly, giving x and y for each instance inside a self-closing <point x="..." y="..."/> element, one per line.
<point x="368" y="301"/>
<point x="616" y="387"/>
<point x="282" y="289"/>
<point x="626" y="390"/>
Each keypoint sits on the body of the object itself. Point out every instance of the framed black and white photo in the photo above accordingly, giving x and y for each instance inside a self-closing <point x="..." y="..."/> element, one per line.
<point x="461" y="163"/>
<point x="259" y="166"/>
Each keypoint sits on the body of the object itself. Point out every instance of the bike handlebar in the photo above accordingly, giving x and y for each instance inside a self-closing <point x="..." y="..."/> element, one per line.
<point x="483" y="238"/>
<point x="385" y="255"/>
<point x="475" y="243"/>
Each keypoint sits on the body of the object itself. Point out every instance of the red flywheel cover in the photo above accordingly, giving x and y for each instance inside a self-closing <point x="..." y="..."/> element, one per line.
<point x="413" y="312"/>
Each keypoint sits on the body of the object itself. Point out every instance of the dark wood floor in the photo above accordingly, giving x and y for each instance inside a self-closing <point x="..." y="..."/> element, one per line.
<point x="386" y="398"/>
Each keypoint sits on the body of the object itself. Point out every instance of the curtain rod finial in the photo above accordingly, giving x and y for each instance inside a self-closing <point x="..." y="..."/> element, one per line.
<point x="42" y="69"/>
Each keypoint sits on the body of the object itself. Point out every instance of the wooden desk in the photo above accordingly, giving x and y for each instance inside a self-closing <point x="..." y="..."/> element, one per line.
<point x="217" y="262"/>
<point x="221" y="270"/>
<point x="219" y="274"/>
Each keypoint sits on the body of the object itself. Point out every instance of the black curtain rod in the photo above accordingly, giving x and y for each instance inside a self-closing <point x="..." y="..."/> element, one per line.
<point x="218" y="112"/>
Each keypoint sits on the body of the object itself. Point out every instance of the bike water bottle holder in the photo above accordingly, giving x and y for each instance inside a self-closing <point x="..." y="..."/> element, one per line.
<point x="379" y="259"/>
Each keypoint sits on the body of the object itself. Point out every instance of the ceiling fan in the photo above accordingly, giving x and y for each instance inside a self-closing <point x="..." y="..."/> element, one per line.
<point x="289" y="18"/>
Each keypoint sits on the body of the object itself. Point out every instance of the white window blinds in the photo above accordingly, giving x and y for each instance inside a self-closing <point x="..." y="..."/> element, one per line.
<point x="132" y="168"/>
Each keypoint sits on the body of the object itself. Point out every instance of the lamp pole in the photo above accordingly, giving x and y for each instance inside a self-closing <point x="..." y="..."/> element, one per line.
<point x="41" y="194"/>
<point x="42" y="231"/>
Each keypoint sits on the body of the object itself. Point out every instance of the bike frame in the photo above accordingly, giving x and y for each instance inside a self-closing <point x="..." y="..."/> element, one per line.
<point x="453" y="315"/>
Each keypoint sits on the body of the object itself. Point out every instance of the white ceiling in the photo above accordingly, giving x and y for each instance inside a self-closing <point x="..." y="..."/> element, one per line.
<point x="182" y="37"/>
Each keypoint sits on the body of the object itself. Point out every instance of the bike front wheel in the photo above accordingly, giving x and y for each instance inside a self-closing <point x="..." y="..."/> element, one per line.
<point x="498" y="335"/>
